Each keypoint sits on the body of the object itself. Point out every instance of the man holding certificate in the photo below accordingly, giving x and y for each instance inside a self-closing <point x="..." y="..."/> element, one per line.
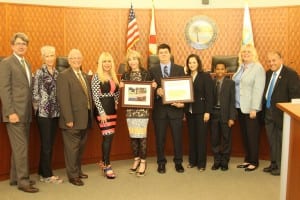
<point x="164" y="114"/>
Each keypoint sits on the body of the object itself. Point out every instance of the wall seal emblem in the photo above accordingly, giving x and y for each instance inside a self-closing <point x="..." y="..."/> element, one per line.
<point x="201" y="32"/>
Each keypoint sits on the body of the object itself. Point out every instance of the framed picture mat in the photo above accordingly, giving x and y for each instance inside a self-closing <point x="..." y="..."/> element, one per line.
<point x="177" y="89"/>
<point x="137" y="94"/>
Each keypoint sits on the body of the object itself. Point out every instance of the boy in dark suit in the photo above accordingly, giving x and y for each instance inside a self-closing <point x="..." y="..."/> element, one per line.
<point x="167" y="114"/>
<point x="223" y="117"/>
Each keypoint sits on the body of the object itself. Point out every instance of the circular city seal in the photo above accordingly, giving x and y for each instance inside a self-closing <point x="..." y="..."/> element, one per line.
<point x="201" y="32"/>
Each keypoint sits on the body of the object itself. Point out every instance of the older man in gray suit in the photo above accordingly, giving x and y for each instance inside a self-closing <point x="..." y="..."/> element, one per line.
<point x="74" y="97"/>
<point x="15" y="91"/>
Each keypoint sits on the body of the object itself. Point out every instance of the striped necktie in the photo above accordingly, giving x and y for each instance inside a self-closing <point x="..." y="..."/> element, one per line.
<point x="166" y="72"/>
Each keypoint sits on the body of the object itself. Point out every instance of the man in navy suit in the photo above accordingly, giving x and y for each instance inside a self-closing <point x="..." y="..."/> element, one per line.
<point x="164" y="114"/>
<point x="282" y="85"/>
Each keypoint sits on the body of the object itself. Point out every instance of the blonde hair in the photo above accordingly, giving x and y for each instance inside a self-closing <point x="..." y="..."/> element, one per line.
<point x="252" y="49"/>
<point x="102" y="77"/>
<point x="46" y="49"/>
<point x="132" y="53"/>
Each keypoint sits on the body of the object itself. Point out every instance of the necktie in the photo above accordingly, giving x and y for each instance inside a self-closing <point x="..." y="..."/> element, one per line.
<point x="217" y="97"/>
<point x="23" y="64"/>
<point x="85" y="89"/>
<point x="166" y="71"/>
<point x="25" y="68"/>
<point x="270" y="91"/>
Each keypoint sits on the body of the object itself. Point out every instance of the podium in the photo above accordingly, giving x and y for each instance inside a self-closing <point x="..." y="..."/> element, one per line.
<point x="290" y="163"/>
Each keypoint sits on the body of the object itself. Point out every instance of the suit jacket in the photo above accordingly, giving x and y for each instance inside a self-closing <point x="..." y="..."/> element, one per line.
<point x="251" y="87"/>
<point x="160" y="110"/>
<point x="203" y="94"/>
<point x="15" y="90"/>
<point x="227" y="100"/>
<point x="286" y="88"/>
<point x="72" y="100"/>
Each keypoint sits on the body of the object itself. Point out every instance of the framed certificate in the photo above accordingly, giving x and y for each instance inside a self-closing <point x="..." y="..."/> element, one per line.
<point x="177" y="89"/>
<point x="137" y="94"/>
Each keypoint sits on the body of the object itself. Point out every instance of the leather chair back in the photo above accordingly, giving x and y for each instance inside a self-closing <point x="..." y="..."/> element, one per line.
<point x="1" y="58"/>
<point x="231" y="62"/>
<point x="153" y="60"/>
<point x="62" y="63"/>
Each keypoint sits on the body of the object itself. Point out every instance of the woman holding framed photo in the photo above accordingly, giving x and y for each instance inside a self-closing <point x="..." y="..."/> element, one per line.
<point x="137" y="118"/>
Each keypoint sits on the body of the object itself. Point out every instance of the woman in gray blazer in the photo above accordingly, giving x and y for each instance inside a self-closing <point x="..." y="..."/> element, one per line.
<point x="249" y="86"/>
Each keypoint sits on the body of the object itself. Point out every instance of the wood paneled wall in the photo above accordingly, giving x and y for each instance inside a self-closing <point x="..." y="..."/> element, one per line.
<point x="97" y="30"/>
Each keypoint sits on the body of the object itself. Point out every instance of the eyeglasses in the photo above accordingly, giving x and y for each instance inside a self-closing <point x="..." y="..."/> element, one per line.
<point x="75" y="58"/>
<point x="20" y="44"/>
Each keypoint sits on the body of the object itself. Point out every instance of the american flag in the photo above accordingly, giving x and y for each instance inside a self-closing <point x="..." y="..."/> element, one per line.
<point x="133" y="34"/>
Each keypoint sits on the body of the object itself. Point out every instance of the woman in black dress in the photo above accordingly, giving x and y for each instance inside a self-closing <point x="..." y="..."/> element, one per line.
<point x="105" y="91"/>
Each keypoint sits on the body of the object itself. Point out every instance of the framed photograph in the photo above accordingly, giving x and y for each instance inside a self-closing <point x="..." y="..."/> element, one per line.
<point x="177" y="89"/>
<point x="137" y="94"/>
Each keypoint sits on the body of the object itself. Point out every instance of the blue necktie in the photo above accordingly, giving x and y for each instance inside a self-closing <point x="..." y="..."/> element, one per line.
<point x="270" y="91"/>
<point x="166" y="71"/>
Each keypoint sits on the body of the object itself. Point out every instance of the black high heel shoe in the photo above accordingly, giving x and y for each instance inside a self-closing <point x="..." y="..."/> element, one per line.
<point x="139" y="172"/>
<point x="135" y="166"/>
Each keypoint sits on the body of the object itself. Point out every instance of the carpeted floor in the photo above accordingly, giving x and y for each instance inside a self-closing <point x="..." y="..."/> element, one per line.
<point x="234" y="184"/>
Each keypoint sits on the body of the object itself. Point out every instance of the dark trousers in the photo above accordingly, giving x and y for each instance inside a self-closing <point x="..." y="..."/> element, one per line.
<point x="74" y="144"/>
<point x="160" y="126"/>
<point x="250" y="131"/>
<point x="18" y="134"/>
<point x="197" y="139"/>
<point x="106" y="148"/>
<point x="274" y="134"/>
<point x="220" y="139"/>
<point x="47" y="128"/>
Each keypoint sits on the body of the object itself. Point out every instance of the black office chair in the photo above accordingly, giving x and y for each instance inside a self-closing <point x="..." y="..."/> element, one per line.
<point x="121" y="69"/>
<point x="231" y="62"/>
<point x="1" y="58"/>
<point x="153" y="60"/>
<point x="62" y="63"/>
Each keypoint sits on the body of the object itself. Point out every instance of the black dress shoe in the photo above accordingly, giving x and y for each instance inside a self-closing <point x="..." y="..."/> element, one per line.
<point x="161" y="168"/>
<point x="83" y="176"/>
<point x="242" y="165"/>
<point x="275" y="172"/>
<point x="179" y="168"/>
<point x="29" y="189"/>
<point x="250" y="168"/>
<point x="215" y="166"/>
<point x="224" y="167"/>
<point x="268" y="169"/>
<point x="76" y="181"/>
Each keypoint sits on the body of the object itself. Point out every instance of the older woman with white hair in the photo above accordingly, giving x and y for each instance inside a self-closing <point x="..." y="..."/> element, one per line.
<point x="47" y="111"/>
